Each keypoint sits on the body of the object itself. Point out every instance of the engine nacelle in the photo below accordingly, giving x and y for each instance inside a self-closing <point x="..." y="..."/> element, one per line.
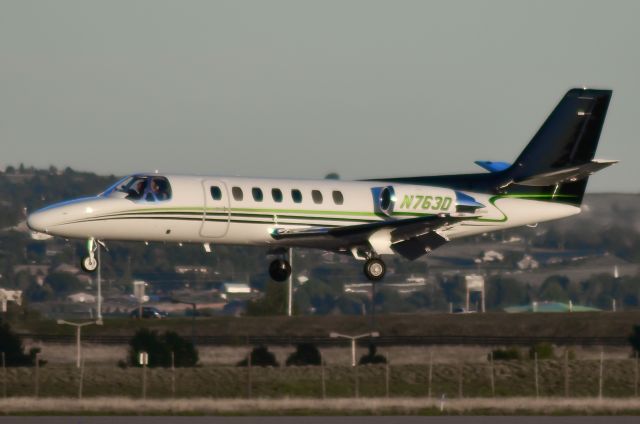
<point x="413" y="200"/>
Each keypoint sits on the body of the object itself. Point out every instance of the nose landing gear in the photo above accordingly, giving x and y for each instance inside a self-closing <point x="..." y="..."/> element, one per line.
<point x="90" y="263"/>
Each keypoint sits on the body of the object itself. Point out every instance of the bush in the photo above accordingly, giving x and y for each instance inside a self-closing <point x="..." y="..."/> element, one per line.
<point x="509" y="354"/>
<point x="13" y="349"/>
<point x="372" y="357"/>
<point x="184" y="352"/>
<point x="260" y="357"/>
<point x="305" y="354"/>
<point x="544" y="351"/>
<point x="634" y="338"/>
<point x="160" y="347"/>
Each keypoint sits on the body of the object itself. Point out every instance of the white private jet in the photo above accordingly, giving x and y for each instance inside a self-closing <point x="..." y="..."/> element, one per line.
<point x="367" y="219"/>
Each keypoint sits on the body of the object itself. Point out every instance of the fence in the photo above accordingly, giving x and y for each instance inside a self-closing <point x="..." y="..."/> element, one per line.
<point x="561" y="377"/>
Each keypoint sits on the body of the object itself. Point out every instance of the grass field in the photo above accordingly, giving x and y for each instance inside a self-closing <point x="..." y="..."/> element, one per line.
<point x="305" y="406"/>
<point x="512" y="379"/>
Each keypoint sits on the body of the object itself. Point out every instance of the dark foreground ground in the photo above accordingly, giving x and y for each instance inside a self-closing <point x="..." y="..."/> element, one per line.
<point x="595" y="328"/>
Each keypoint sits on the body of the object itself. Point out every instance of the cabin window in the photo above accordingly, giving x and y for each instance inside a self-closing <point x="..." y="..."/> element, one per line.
<point x="338" y="198"/>
<point x="296" y="195"/>
<point x="216" y="193"/>
<point x="257" y="194"/>
<point x="237" y="194"/>
<point x="276" y="193"/>
<point x="316" y="196"/>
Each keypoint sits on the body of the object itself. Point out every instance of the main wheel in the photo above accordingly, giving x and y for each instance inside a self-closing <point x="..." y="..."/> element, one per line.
<point x="89" y="264"/>
<point x="374" y="269"/>
<point x="280" y="270"/>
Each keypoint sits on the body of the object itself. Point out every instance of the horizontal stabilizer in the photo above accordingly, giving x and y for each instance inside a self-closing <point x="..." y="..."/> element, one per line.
<point x="493" y="166"/>
<point x="566" y="175"/>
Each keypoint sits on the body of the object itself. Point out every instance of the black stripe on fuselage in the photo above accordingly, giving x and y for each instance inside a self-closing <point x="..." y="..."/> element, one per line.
<point x="237" y="221"/>
<point x="245" y="215"/>
<point x="198" y="216"/>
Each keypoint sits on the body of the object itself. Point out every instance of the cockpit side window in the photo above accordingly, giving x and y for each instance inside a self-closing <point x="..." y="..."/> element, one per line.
<point x="149" y="188"/>
<point x="136" y="189"/>
<point x="160" y="188"/>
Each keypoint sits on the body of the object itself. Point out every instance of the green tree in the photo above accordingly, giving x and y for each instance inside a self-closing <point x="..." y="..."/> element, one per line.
<point x="543" y="351"/>
<point x="453" y="288"/>
<point x="11" y="345"/>
<point x="260" y="357"/>
<point x="554" y="289"/>
<point x="372" y="357"/>
<point x="159" y="348"/>
<point x="38" y="293"/>
<point x="320" y="295"/>
<point x="184" y="352"/>
<point x="390" y="301"/>
<point x="305" y="354"/>
<point x="274" y="301"/>
<point x="63" y="282"/>
<point x="505" y="291"/>
<point x="506" y="354"/>
<point x="634" y="338"/>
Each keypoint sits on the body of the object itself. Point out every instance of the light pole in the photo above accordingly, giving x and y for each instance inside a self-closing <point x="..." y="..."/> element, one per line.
<point x="99" y="278"/>
<point x="78" y="333"/>
<point x="193" y="318"/>
<point x="353" y="339"/>
<point x="290" y="292"/>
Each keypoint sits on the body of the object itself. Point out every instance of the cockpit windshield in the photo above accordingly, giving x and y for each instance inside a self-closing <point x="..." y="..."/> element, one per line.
<point x="148" y="188"/>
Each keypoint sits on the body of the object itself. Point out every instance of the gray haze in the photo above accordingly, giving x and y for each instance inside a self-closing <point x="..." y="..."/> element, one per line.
<point x="300" y="88"/>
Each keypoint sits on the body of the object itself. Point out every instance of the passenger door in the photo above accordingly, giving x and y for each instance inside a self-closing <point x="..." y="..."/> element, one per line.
<point x="216" y="212"/>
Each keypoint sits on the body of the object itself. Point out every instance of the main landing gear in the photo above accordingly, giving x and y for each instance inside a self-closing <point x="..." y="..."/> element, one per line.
<point x="280" y="269"/>
<point x="374" y="269"/>
<point x="89" y="263"/>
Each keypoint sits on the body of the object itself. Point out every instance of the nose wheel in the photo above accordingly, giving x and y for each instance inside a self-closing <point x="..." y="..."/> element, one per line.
<point x="374" y="269"/>
<point x="280" y="269"/>
<point x="90" y="263"/>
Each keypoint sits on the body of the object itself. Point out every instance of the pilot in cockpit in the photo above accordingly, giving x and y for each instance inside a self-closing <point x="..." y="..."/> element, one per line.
<point x="136" y="190"/>
<point x="159" y="189"/>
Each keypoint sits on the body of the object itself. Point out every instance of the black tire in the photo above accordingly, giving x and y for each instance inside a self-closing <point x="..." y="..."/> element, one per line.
<point x="280" y="270"/>
<point x="88" y="265"/>
<point x="375" y="269"/>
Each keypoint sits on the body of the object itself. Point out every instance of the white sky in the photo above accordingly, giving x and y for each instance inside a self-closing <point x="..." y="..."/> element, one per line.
<point x="301" y="88"/>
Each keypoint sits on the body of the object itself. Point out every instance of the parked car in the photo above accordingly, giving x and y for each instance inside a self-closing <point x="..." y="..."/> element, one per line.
<point x="462" y="310"/>
<point x="148" y="312"/>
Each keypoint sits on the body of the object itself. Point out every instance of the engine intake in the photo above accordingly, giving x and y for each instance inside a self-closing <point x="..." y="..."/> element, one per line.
<point x="385" y="198"/>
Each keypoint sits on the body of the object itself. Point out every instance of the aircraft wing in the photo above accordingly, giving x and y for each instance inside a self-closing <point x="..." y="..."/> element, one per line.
<point x="411" y="238"/>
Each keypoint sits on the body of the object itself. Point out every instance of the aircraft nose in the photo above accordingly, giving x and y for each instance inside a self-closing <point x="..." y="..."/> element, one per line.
<point x="39" y="221"/>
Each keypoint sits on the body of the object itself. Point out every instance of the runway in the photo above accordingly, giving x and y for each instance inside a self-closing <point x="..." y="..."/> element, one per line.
<point x="323" y="420"/>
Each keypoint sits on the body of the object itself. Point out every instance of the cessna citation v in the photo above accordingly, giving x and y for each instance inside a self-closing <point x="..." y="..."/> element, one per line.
<point x="367" y="219"/>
